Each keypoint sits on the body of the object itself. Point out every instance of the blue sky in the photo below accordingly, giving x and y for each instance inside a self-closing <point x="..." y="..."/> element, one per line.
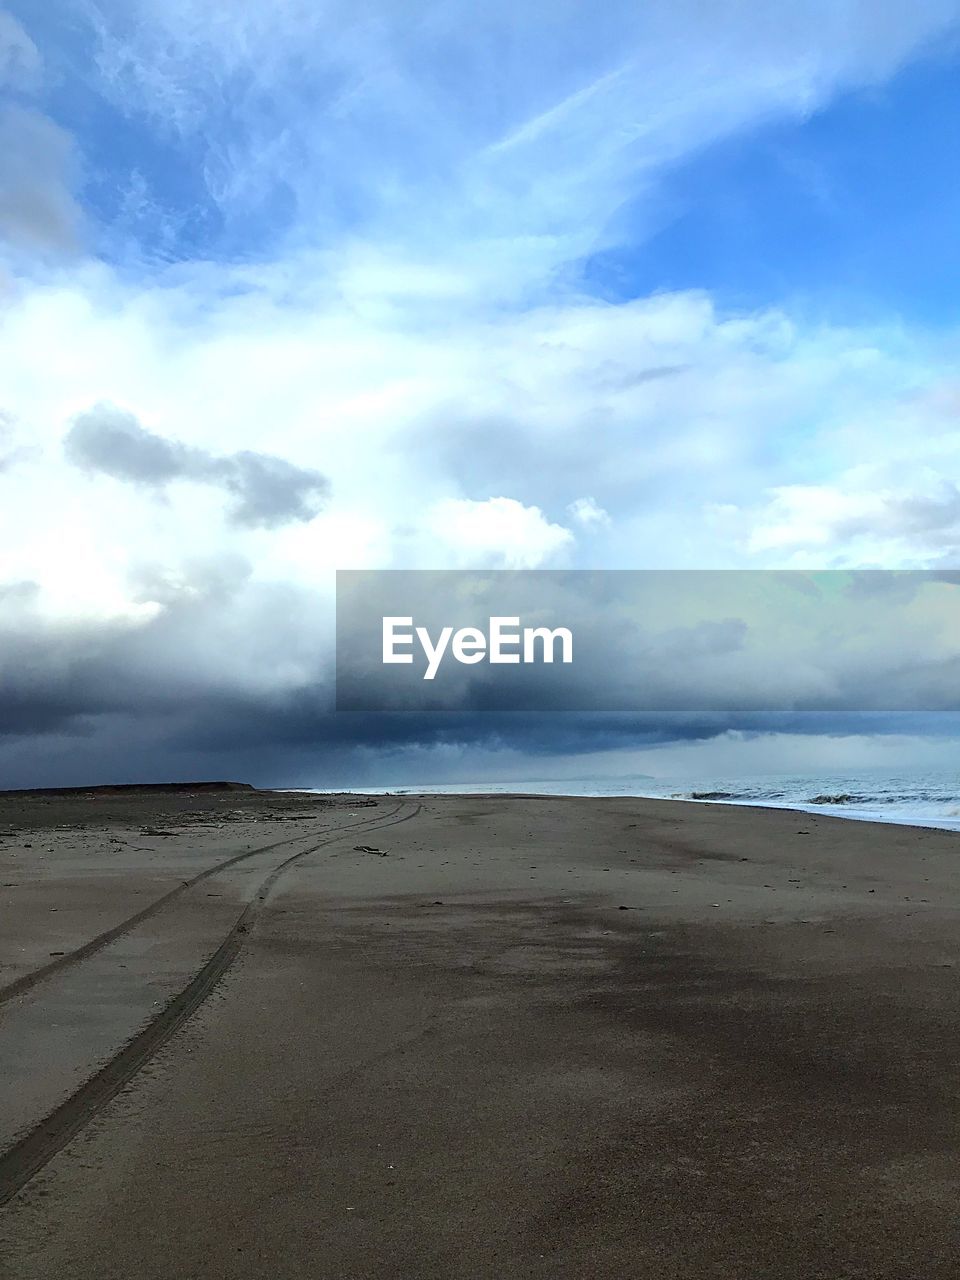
<point x="849" y="212"/>
<point x="514" y="285"/>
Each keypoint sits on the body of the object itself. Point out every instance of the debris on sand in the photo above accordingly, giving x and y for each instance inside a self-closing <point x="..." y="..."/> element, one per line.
<point x="368" y="848"/>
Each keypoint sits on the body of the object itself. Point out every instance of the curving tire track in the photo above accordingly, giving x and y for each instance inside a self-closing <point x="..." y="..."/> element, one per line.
<point x="19" y="1163"/>
<point x="28" y="980"/>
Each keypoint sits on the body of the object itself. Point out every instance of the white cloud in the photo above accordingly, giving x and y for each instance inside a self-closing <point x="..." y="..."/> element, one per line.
<point x="499" y="533"/>
<point x="810" y="515"/>
<point x="914" y="524"/>
<point x="586" y="512"/>
<point x="678" y="422"/>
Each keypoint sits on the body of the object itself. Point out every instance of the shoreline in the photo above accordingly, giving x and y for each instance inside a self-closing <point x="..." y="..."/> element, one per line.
<point x="828" y="811"/>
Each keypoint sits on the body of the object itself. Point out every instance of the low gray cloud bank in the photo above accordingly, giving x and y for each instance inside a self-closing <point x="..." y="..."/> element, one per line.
<point x="231" y="675"/>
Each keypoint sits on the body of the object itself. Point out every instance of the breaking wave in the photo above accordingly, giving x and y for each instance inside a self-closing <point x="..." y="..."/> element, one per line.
<point x="843" y="797"/>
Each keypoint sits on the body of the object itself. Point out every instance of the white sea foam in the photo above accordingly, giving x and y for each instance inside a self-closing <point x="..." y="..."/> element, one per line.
<point x="928" y="799"/>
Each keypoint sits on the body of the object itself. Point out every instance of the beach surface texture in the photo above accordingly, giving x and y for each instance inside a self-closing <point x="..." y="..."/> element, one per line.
<point x="249" y="1034"/>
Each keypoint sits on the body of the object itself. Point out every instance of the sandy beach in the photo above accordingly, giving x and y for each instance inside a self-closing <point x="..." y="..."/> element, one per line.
<point x="248" y="1034"/>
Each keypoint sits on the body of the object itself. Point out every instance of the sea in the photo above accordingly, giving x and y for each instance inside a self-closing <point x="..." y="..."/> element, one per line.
<point x="925" y="799"/>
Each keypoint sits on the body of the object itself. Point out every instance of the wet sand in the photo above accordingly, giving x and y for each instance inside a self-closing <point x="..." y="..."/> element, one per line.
<point x="254" y="1035"/>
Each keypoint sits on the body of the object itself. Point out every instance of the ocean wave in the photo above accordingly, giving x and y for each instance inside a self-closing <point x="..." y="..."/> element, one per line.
<point x="842" y="797"/>
<point x="715" y="795"/>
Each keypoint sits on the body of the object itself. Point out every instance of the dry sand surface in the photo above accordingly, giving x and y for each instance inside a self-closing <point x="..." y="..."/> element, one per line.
<point x="256" y="1035"/>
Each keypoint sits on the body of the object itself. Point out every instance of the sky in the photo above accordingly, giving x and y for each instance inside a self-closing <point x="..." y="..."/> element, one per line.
<point x="304" y="286"/>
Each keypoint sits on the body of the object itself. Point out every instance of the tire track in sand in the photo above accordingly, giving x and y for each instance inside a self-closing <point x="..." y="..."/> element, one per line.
<point x="28" y="980"/>
<point x="27" y="1157"/>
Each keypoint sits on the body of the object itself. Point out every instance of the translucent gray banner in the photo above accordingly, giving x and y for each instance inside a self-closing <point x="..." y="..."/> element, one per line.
<point x="683" y="644"/>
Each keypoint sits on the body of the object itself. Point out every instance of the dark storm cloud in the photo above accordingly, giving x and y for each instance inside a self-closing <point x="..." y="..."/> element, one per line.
<point x="266" y="491"/>
<point x="211" y="638"/>
<point x="231" y="675"/>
